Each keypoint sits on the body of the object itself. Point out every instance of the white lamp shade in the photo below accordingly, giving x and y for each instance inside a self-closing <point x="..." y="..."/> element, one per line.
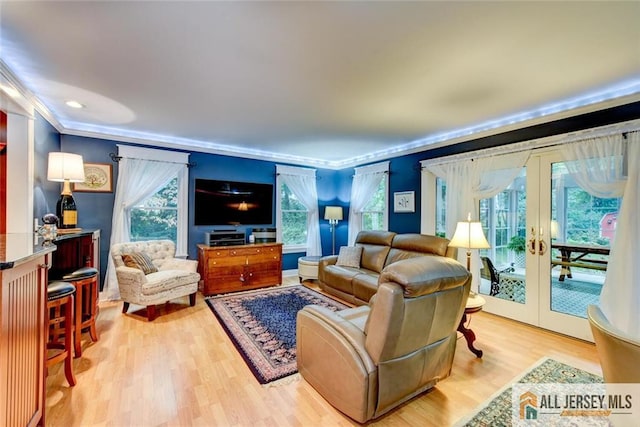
<point x="333" y="212"/>
<point x="65" y="167"/>
<point x="554" y="229"/>
<point x="469" y="235"/>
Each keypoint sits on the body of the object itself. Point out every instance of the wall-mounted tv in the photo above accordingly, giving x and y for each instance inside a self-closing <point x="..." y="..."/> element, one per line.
<point x="233" y="203"/>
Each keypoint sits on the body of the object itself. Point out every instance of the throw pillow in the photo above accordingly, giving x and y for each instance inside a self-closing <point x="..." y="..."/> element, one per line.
<point x="349" y="256"/>
<point x="139" y="260"/>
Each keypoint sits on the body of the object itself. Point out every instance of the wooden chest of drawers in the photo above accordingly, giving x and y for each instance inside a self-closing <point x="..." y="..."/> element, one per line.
<point x="237" y="268"/>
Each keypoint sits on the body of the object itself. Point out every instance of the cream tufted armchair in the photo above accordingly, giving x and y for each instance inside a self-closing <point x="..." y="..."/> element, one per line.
<point x="148" y="274"/>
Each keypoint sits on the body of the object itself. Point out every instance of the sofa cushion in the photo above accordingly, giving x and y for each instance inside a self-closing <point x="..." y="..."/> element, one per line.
<point x="365" y="285"/>
<point x="382" y="238"/>
<point x="349" y="256"/>
<point x="373" y="256"/>
<point x="139" y="260"/>
<point x="161" y="281"/>
<point x="340" y="277"/>
<point x="425" y="275"/>
<point x="421" y="243"/>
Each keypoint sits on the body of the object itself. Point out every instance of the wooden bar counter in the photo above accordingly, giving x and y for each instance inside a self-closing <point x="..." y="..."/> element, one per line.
<point x="24" y="264"/>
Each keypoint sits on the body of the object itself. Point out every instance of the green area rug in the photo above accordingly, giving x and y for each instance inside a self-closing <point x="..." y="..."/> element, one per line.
<point x="497" y="410"/>
<point x="262" y="326"/>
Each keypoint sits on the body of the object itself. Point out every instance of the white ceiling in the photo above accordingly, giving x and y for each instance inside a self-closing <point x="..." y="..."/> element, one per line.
<point x="330" y="84"/>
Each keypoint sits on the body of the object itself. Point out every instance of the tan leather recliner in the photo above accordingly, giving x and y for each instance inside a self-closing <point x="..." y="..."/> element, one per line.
<point x="619" y="353"/>
<point x="367" y="360"/>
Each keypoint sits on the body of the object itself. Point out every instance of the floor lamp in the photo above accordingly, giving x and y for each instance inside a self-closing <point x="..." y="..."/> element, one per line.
<point x="469" y="235"/>
<point x="333" y="214"/>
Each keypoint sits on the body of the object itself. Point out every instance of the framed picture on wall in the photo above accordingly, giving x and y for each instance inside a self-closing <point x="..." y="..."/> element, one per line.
<point x="98" y="178"/>
<point x="404" y="201"/>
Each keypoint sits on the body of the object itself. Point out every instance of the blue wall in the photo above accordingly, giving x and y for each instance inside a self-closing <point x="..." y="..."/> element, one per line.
<point x="214" y="166"/>
<point x="94" y="209"/>
<point x="45" y="193"/>
<point x="334" y="189"/>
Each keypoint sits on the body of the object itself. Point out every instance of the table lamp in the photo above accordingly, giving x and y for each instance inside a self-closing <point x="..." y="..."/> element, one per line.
<point x="333" y="214"/>
<point x="66" y="168"/>
<point x="469" y="235"/>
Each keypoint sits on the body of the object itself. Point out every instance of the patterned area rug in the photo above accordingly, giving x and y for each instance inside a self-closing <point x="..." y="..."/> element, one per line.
<point x="262" y="326"/>
<point x="497" y="411"/>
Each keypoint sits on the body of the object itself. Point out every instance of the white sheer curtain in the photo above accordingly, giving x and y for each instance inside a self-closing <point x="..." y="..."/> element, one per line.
<point x="137" y="180"/>
<point x="302" y="183"/>
<point x="609" y="167"/>
<point x="365" y="182"/>
<point x="468" y="182"/>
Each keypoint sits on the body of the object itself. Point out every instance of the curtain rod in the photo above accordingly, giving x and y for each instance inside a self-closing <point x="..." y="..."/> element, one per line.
<point x="545" y="142"/>
<point x="116" y="158"/>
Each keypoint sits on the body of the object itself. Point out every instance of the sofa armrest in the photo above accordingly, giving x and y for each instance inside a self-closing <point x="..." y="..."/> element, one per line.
<point x="332" y="358"/>
<point x="130" y="280"/>
<point x="322" y="265"/>
<point x="327" y="260"/>
<point x="180" y="264"/>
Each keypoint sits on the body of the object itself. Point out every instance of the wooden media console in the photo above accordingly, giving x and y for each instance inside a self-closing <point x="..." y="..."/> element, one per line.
<point x="237" y="268"/>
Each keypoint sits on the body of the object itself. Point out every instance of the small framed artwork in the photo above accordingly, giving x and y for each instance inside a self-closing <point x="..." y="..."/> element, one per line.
<point x="98" y="178"/>
<point x="404" y="201"/>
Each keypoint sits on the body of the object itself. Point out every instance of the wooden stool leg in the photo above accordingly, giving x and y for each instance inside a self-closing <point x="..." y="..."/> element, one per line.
<point x="68" y="342"/>
<point x="93" y="304"/>
<point x="78" y="321"/>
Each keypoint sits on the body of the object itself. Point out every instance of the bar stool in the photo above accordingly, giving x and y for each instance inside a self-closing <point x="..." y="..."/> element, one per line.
<point x="60" y="323"/>
<point x="85" y="280"/>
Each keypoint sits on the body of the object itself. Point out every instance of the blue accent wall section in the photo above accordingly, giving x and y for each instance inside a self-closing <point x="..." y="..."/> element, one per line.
<point x="94" y="209"/>
<point x="45" y="193"/>
<point x="335" y="192"/>
<point x="404" y="175"/>
<point x="214" y="166"/>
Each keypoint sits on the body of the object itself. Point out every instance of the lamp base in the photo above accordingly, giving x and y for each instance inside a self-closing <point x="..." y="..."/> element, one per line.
<point x="67" y="212"/>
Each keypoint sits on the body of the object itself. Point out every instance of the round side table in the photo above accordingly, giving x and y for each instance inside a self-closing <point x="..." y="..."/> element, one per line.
<point x="308" y="267"/>
<point x="474" y="304"/>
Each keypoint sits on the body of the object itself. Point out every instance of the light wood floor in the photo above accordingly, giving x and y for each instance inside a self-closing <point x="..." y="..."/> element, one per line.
<point x="182" y="370"/>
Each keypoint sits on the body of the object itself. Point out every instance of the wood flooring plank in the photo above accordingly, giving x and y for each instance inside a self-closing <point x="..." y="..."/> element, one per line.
<point x="182" y="370"/>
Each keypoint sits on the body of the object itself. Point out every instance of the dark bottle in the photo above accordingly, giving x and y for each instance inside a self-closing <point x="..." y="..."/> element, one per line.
<point x="67" y="212"/>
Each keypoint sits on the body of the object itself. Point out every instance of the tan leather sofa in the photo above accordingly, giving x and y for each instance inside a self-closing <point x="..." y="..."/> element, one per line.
<point x="367" y="360"/>
<point x="379" y="250"/>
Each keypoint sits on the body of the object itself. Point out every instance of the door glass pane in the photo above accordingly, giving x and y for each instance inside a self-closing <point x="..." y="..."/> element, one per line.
<point x="582" y="229"/>
<point x="503" y="218"/>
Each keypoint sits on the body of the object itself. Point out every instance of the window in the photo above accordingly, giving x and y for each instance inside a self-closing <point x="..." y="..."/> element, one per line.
<point x="157" y="216"/>
<point x="374" y="212"/>
<point x="297" y="220"/>
<point x="368" y="203"/>
<point x="294" y="218"/>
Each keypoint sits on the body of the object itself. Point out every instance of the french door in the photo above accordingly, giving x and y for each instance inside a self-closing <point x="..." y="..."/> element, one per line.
<point x="565" y="234"/>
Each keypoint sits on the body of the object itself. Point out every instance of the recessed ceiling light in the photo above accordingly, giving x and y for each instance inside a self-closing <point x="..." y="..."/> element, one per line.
<point x="74" y="104"/>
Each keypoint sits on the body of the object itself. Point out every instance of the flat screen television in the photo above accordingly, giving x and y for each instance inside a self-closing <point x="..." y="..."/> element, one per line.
<point x="233" y="203"/>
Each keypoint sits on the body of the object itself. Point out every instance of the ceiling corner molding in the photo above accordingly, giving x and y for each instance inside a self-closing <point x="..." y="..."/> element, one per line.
<point x="32" y="101"/>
